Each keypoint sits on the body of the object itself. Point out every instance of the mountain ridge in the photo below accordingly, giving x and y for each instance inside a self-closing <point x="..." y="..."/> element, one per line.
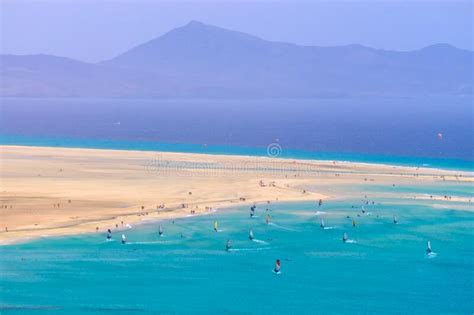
<point x="200" y="60"/>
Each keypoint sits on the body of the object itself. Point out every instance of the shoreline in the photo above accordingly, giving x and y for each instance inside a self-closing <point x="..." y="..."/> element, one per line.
<point x="63" y="191"/>
<point x="301" y="160"/>
<point x="296" y="154"/>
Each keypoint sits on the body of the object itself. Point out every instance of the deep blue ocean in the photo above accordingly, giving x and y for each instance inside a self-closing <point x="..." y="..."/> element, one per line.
<point x="383" y="130"/>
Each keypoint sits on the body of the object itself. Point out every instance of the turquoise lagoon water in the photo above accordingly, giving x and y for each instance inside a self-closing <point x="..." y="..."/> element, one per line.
<point x="440" y="189"/>
<point x="188" y="271"/>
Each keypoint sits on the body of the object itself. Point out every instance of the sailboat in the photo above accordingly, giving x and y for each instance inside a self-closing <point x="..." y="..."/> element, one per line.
<point x="395" y="220"/>
<point x="215" y="226"/>
<point x="251" y="235"/>
<point x="428" y="249"/>
<point x="252" y="211"/>
<point x="160" y="230"/>
<point x="109" y="234"/>
<point x="277" y="266"/>
<point x="321" y="225"/>
<point x="228" y="245"/>
<point x="124" y="239"/>
<point x="345" y="237"/>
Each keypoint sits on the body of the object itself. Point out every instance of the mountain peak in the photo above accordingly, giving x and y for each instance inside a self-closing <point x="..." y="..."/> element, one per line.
<point x="205" y="58"/>
<point x="195" y="23"/>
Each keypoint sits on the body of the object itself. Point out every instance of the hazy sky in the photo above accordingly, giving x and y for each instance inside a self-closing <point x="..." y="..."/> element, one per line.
<point x="94" y="30"/>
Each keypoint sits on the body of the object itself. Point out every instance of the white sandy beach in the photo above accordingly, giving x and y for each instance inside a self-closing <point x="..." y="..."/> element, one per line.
<point x="56" y="191"/>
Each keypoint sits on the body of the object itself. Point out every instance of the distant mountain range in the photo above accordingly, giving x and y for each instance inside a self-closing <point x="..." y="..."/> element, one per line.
<point x="199" y="60"/>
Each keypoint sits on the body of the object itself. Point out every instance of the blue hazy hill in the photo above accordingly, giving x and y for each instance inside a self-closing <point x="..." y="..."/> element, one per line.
<point x="199" y="60"/>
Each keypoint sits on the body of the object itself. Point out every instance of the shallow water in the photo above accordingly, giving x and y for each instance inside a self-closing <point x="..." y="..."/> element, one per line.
<point x="383" y="271"/>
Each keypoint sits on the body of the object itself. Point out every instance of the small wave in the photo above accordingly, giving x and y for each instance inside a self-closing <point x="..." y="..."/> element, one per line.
<point x="143" y="243"/>
<point x="351" y="241"/>
<point x="107" y="241"/>
<point x="329" y="227"/>
<point x="320" y="212"/>
<point x="431" y="255"/>
<point x="281" y="227"/>
<point x="259" y="241"/>
<point x="27" y="307"/>
<point x="248" y="249"/>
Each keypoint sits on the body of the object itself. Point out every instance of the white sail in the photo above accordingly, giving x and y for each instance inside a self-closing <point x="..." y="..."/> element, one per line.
<point x="344" y="237"/>
<point x="322" y="223"/>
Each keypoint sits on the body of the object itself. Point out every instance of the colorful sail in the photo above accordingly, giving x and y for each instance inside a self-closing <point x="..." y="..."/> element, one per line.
<point x="277" y="266"/>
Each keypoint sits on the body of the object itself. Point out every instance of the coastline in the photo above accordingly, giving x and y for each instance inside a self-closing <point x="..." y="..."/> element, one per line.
<point x="60" y="191"/>
<point x="455" y="164"/>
